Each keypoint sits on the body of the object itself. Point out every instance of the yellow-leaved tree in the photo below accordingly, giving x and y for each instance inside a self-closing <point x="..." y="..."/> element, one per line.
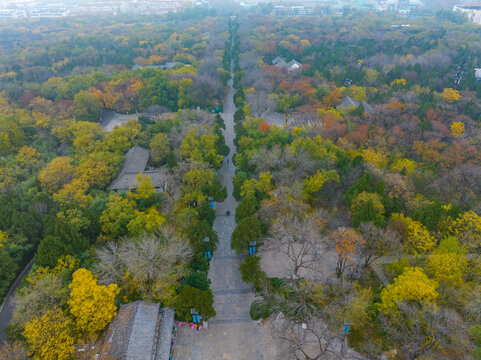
<point x="315" y="182"/>
<point x="363" y="198"/>
<point x="92" y="305"/>
<point x="450" y="95"/>
<point x="251" y="186"/>
<point x="467" y="228"/>
<point x="56" y="174"/>
<point x="448" y="264"/>
<point x="144" y="188"/>
<point x="3" y="238"/>
<point x="406" y="165"/>
<point x="419" y="240"/>
<point x="374" y="157"/>
<point x="50" y="336"/>
<point x="457" y="128"/>
<point x="411" y="286"/>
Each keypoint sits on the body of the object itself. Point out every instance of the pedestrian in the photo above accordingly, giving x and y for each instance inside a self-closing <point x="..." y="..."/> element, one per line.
<point x="227" y="213"/>
<point x="227" y="160"/>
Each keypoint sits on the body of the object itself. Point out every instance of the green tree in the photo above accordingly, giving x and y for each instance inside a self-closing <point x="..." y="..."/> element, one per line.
<point x="87" y="106"/>
<point x="201" y="301"/>
<point x="247" y="230"/>
<point x="8" y="271"/>
<point x="206" y="213"/>
<point x="197" y="234"/>
<point x="252" y="272"/>
<point x="247" y="207"/>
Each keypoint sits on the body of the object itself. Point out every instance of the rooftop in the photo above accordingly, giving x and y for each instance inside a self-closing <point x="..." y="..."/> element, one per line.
<point x="136" y="162"/>
<point x="141" y="330"/>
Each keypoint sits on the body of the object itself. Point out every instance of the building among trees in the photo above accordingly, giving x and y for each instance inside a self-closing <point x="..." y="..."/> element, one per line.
<point x="292" y="65"/>
<point x="136" y="160"/>
<point x="141" y="330"/>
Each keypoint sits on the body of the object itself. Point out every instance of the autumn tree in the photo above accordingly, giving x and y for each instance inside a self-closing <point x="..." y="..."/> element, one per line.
<point x="56" y="174"/>
<point x="457" y="128"/>
<point x="88" y="105"/>
<point x="193" y="182"/>
<point x="348" y="245"/>
<point x="418" y="239"/>
<point x="315" y="182"/>
<point x="149" y="266"/>
<point x="449" y="95"/>
<point x="92" y="305"/>
<point x="447" y="263"/>
<point x="378" y="242"/>
<point x="411" y="286"/>
<point x="50" y="337"/>
<point x="45" y="289"/>
<point x="467" y="228"/>
<point x="115" y="218"/>
<point x="201" y="148"/>
<point x="159" y="148"/>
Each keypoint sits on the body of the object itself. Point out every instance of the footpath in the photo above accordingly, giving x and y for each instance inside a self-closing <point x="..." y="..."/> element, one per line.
<point x="231" y="334"/>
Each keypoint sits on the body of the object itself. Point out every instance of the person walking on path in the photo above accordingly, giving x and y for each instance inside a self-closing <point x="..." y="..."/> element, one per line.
<point x="227" y="213"/>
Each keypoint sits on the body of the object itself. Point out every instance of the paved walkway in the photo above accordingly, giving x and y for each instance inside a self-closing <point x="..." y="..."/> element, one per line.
<point x="231" y="334"/>
<point x="7" y="307"/>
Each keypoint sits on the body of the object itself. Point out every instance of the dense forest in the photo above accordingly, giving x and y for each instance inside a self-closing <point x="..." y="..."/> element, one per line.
<point x="57" y="161"/>
<point x="358" y="176"/>
<point x="360" y="173"/>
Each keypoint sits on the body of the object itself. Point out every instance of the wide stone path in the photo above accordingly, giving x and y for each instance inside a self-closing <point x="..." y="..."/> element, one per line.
<point x="231" y="334"/>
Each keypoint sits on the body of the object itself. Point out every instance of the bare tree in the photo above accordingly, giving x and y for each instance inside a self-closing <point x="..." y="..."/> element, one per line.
<point x="420" y="331"/>
<point x="312" y="340"/>
<point x="260" y="103"/>
<point x="378" y="242"/>
<point x="153" y="262"/>
<point x="299" y="239"/>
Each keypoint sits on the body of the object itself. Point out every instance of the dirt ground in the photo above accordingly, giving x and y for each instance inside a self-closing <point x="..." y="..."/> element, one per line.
<point x="276" y="264"/>
<point x="109" y="119"/>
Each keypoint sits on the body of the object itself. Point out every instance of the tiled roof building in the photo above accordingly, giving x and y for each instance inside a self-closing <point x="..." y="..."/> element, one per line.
<point x="141" y="331"/>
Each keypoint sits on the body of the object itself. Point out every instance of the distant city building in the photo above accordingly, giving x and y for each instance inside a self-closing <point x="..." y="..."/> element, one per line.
<point x="472" y="11"/>
<point x="48" y="12"/>
<point x="12" y="14"/>
<point x="291" y="10"/>
<point x="34" y="10"/>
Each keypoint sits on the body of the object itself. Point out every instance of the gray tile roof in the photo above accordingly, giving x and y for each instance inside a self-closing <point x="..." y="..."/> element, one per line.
<point x="135" y="162"/>
<point x="141" y="331"/>
<point x="165" y="334"/>
<point x="279" y="62"/>
<point x="347" y="103"/>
